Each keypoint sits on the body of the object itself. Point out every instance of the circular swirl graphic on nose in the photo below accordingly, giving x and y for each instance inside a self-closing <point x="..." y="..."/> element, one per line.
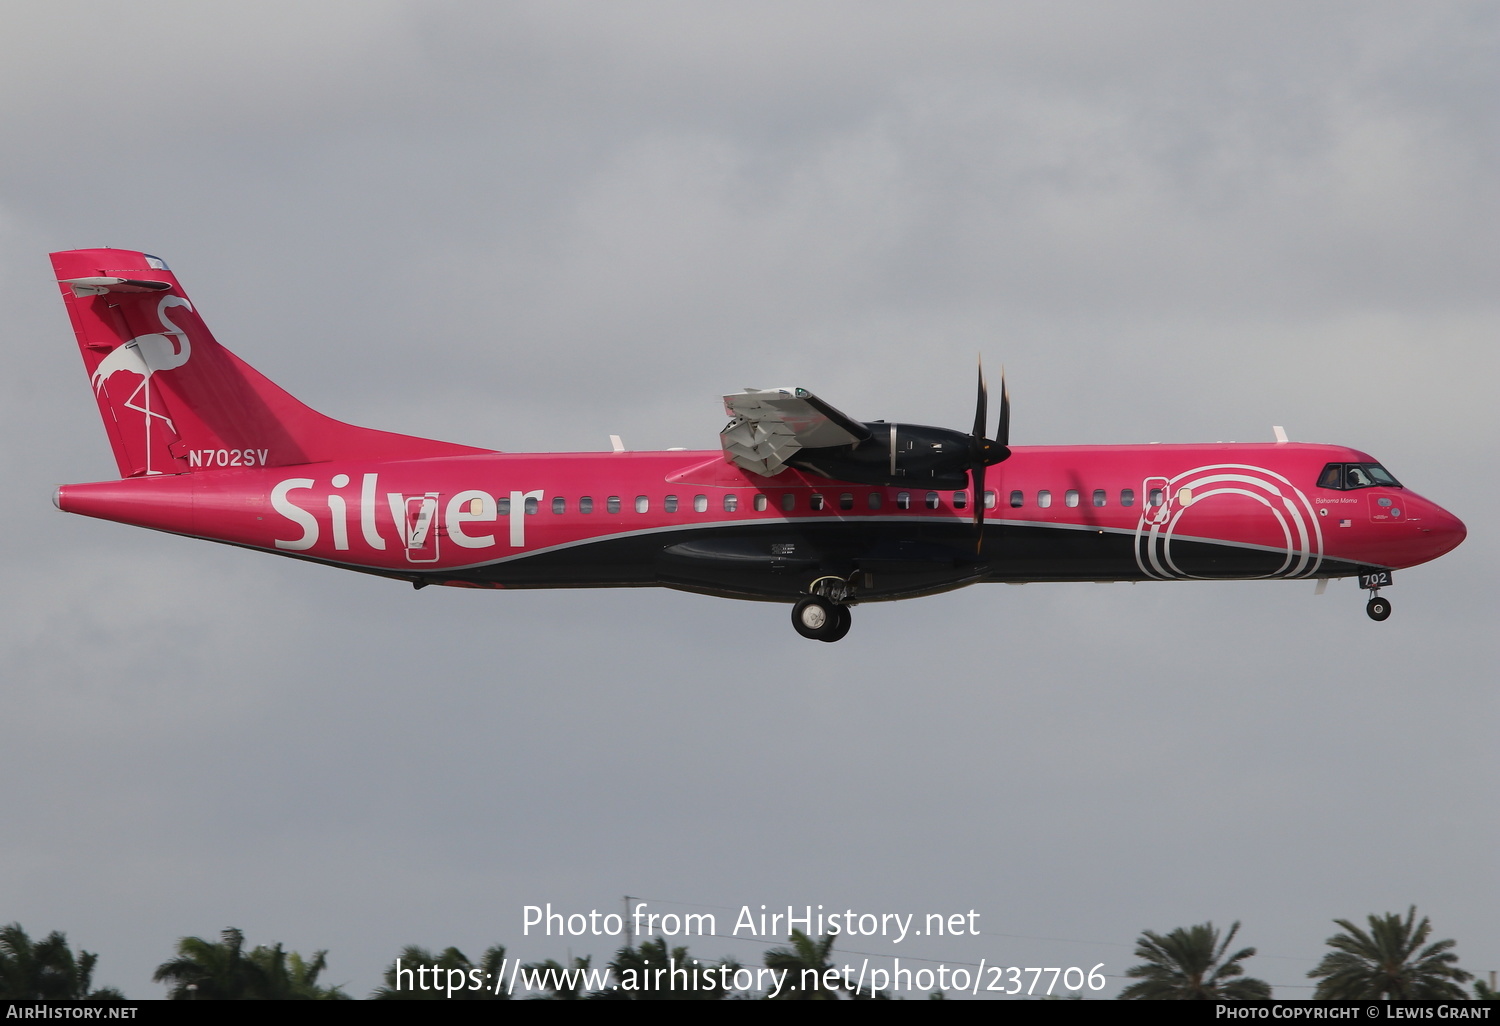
<point x="1208" y="513"/>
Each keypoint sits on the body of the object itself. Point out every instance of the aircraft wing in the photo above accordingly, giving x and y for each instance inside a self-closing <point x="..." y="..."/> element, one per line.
<point x="768" y="426"/>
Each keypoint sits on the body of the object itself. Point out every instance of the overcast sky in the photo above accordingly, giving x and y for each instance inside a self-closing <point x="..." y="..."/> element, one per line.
<point x="531" y="225"/>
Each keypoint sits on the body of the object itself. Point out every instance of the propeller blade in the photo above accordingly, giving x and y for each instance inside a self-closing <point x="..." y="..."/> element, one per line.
<point x="982" y="450"/>
<point x="1002" y="433"/>
<point x="893" y="450"/>
<point x="978" y="475"/>
<point x="981" y="404"/>
<point x="987" y="451"/>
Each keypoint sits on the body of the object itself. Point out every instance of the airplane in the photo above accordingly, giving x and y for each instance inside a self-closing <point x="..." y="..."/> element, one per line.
<point x="801" y="504"/>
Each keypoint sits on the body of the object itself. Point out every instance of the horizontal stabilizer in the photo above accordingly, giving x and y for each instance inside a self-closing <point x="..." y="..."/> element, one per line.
<point x="98" y="286"/>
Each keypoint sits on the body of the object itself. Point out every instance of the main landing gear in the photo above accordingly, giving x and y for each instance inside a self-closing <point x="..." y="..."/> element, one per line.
<point x="824" y="614"/>
<point x="821" y="620"/>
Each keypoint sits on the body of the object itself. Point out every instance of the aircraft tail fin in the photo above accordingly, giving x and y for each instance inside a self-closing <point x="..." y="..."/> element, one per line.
<point x="175" y="401"/>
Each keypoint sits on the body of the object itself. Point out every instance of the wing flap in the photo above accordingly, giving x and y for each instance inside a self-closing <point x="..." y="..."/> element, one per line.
<point x="767" y="427"/>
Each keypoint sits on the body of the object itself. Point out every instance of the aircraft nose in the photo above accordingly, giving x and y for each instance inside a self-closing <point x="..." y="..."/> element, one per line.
<point x="1442" y="530"/>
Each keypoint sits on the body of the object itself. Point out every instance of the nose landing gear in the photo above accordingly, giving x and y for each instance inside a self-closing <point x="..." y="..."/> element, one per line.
<point x="1373" y="580"/>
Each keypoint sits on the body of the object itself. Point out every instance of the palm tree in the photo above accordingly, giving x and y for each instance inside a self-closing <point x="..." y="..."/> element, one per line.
<point x="552" y="975"/>
<point x="46" y="970"/>
<point x="222" y="971"/>
<point x="1385" y="962"/>
<point x="290" y="977"/>
<point x="211" y="970"/>
<point x="403" y="982"/>
<point x="1189" y="964"/>
<point x="633" y="970"/>
<point x="805" y="961"/>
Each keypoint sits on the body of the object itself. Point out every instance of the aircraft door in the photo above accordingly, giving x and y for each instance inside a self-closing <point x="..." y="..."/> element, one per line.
<point x="420" y="529"/>
<point x="1156" y="506"/>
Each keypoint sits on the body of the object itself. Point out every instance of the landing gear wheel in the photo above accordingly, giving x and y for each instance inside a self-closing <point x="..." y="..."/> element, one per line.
<point x="1378" y="608"/>
<point x="841" y="624"/>
<point x="813" y="617"/>
<point x="819" y="619"/>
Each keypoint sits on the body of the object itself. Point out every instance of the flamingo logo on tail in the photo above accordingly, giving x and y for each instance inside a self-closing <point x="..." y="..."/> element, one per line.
<point x="143" y="356"/>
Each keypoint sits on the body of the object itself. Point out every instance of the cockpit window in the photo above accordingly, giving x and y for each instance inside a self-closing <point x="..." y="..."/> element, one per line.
<point x="1348" y="476"/>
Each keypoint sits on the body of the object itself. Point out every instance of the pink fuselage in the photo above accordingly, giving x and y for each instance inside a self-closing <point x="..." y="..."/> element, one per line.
<point x="691" y="520"/>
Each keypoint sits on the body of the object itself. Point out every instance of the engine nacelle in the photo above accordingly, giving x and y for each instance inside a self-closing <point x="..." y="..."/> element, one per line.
<point x="901" y="454"/>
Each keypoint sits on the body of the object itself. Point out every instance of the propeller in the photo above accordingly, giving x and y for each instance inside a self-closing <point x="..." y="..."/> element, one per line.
<point x="986" y="452"/>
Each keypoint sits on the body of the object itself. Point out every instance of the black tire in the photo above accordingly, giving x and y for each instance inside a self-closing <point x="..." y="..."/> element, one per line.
<point x="843" y="620"/>
<point x="815" y="618"/>
<point x="1378" y="608"/>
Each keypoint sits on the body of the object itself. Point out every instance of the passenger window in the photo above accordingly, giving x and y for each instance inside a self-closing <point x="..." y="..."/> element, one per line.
<point x="1155" y="498"/>
<point x="1127" y="496"/>
<point x="1070" y="497"/>
<point x="612" y="504"/>
<point x="846" y="500"/>
<point x="1017" y="499"/>
<point x="760" y="502"/>
<point x="788" y="501"/>
<point x="731" y="503"/>
<point x="815" y="501"/>
<point x="670" y="504"/>
<point x="903" y="500"/>
<point x="991" y="500"/>
<point x="1099" y="499"/>
<point x="502" y="507"/>
<point x="932" y="500"/>
<point x="700" y="504"/>
<point x="530" y="506"/>
<point x="960" y="500"/>
<point x="1044" y="498"/>
<point x="642" y="504"/>
<point x="586" y="504"/>
<point x="559" y="505"/>
<point x="875" y="499"/>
